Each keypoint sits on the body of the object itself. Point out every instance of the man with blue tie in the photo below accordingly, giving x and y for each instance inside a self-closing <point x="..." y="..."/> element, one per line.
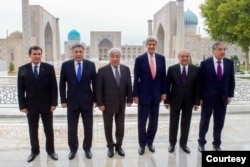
<point x="150" y="87"/>
<point x="217" y="88"/>
<point x="37" y="97"/>
<point x="77" y="83"/>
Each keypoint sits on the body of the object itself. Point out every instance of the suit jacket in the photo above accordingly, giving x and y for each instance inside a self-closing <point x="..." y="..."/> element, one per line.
<point x="177" y="91"/>
<point x="145" y="87"/>
<point x="211" y="87"/>
<point x="108" y="93"/>
<point x="75" y="93"/>
<point x="37" y="95"/>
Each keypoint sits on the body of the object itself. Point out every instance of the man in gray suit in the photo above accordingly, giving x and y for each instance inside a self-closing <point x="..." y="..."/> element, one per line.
<point x="182" y="95"/>
<point x="113" y="91"/>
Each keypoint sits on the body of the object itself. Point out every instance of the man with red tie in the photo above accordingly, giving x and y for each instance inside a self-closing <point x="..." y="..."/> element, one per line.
<point x="149" y="89"/>
<point x="217" y="89"/>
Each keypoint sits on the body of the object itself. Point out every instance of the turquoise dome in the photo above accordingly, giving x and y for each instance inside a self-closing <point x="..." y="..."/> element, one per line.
<point x="190" y="18"/>
<point x="74" y="35"/>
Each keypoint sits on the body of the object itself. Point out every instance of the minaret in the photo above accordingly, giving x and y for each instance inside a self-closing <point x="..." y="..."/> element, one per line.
<point x="180" y="36"/>
<point x="150" y="31"/>
<point x="26" y="26"/>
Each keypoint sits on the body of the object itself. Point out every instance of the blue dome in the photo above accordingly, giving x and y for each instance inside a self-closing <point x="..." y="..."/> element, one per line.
<point x="74" y="35"/>
<point x="190" y="18"/>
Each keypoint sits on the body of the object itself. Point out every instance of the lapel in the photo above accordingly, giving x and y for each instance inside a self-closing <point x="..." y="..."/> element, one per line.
<point x="211" y="65"/>
<point x="122" y="73"/>
<point x="110" y="71"/>
<point x="147" y="70"/>
<point x="189" y="72"/>
<point x="30" y="72"/>
<point x="178" y="73"/>
<point x="41" y="71"/>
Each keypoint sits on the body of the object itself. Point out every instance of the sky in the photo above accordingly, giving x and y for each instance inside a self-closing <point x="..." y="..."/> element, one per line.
<point x="128" y="16"/>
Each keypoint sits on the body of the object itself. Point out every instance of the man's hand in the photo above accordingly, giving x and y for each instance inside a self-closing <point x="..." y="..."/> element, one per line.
<point x="196" y="108"/>
<point x="229" y="99"/>
<point x="163" y="97"/>
<point x="136" y="100"/>
<point x="201" y="102"/>
<point x="64" y="105"/>
<point x="129" y="104"/>
<point x="52" y="108"/>
<point x="25" y="110"/>
<point x="102" y="108"/>
<point x="167" y="106"/>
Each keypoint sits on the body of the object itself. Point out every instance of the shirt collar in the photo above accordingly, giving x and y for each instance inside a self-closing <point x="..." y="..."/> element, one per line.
<point x="114" y="67"/>
<point x="215" y="60"/>
<point x="33" y="65"/>
<point x="149" y="56"/>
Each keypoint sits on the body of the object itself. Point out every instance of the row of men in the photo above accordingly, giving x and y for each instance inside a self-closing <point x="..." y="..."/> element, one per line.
<point x="183" y="89"/>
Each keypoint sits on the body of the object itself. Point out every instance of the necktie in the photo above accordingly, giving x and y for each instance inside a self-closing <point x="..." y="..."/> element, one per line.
<point x="184" y="75"/>
<point x="117" y="76"/>
<point x="79" y="72"/>
<point x="152" y="66"/>
<point x="219" y="70"/>
<point x="35" y="72"/>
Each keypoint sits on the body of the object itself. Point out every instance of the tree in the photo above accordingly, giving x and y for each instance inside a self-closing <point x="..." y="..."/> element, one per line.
<point x="229" y="21"/>
<point x="11" y="67"/>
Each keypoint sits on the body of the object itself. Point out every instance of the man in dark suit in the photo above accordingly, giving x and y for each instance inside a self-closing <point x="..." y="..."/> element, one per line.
<point x="150" y="87"/>
<point x="37" y="96"/>
<point x="183" y="95"/>
<point x="77" y="81"/>
<point x="217" y="89"/>
<point x="113" y="91"/>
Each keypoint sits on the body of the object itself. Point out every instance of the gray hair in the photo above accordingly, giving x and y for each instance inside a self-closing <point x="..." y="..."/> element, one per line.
<point x="76" y="45"/>
<point x="216" y="44"/>
<point x="151" y="38"/>
<point x="114" y="50"/>
<point x="184" y="50"/>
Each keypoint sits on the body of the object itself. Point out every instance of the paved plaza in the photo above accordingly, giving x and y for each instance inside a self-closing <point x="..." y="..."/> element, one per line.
<point x="14" y="139"/>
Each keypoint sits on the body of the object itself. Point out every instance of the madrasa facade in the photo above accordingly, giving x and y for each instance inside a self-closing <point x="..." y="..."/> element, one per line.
<point x="174" y="29"/>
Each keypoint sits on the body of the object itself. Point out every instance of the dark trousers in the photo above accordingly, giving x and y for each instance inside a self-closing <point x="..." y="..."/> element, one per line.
<point x="219" y="113"/>
<point x="47" y="120"/>
<point x="186" y="114"/>
<point x="73" y="119"/>
<point x="108" y="128"/>
<point x="147" y="123"/>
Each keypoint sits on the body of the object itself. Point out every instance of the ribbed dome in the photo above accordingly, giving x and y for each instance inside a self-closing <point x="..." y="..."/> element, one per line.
<point x="190" y="18"/>
<point x="16" y="34"/>
<point x="74" y="35"/>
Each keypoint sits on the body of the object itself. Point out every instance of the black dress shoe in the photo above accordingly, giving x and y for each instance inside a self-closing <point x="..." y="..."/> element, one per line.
<point x="53" y="156"/>
<point x="201" y="148"/>
<point x="110" y="152"/>
<point x="31" y="157"/>
<point x="141" y="150"/>
<point x="185" y="149"/>
<point x="72" y="155"/>
<point x="171" y="149"/>
<point x="120" y="151"/>
<point x="88" y="154"/>
<point x="217" y="148"/>
<point x="151" y="148"/>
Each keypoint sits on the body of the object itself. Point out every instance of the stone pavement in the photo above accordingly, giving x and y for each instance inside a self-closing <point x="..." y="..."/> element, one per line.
<point x="14" y="141"/>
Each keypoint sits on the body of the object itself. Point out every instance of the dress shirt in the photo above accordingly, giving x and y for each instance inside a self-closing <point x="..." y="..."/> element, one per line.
<point x="76" y="66"/>
<point x="38" y="67"/>
<point x="118" y="68"/>
<point x="149" y="59"/>
<point x="216" y="64"/>
<point x="186" y="68"/>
